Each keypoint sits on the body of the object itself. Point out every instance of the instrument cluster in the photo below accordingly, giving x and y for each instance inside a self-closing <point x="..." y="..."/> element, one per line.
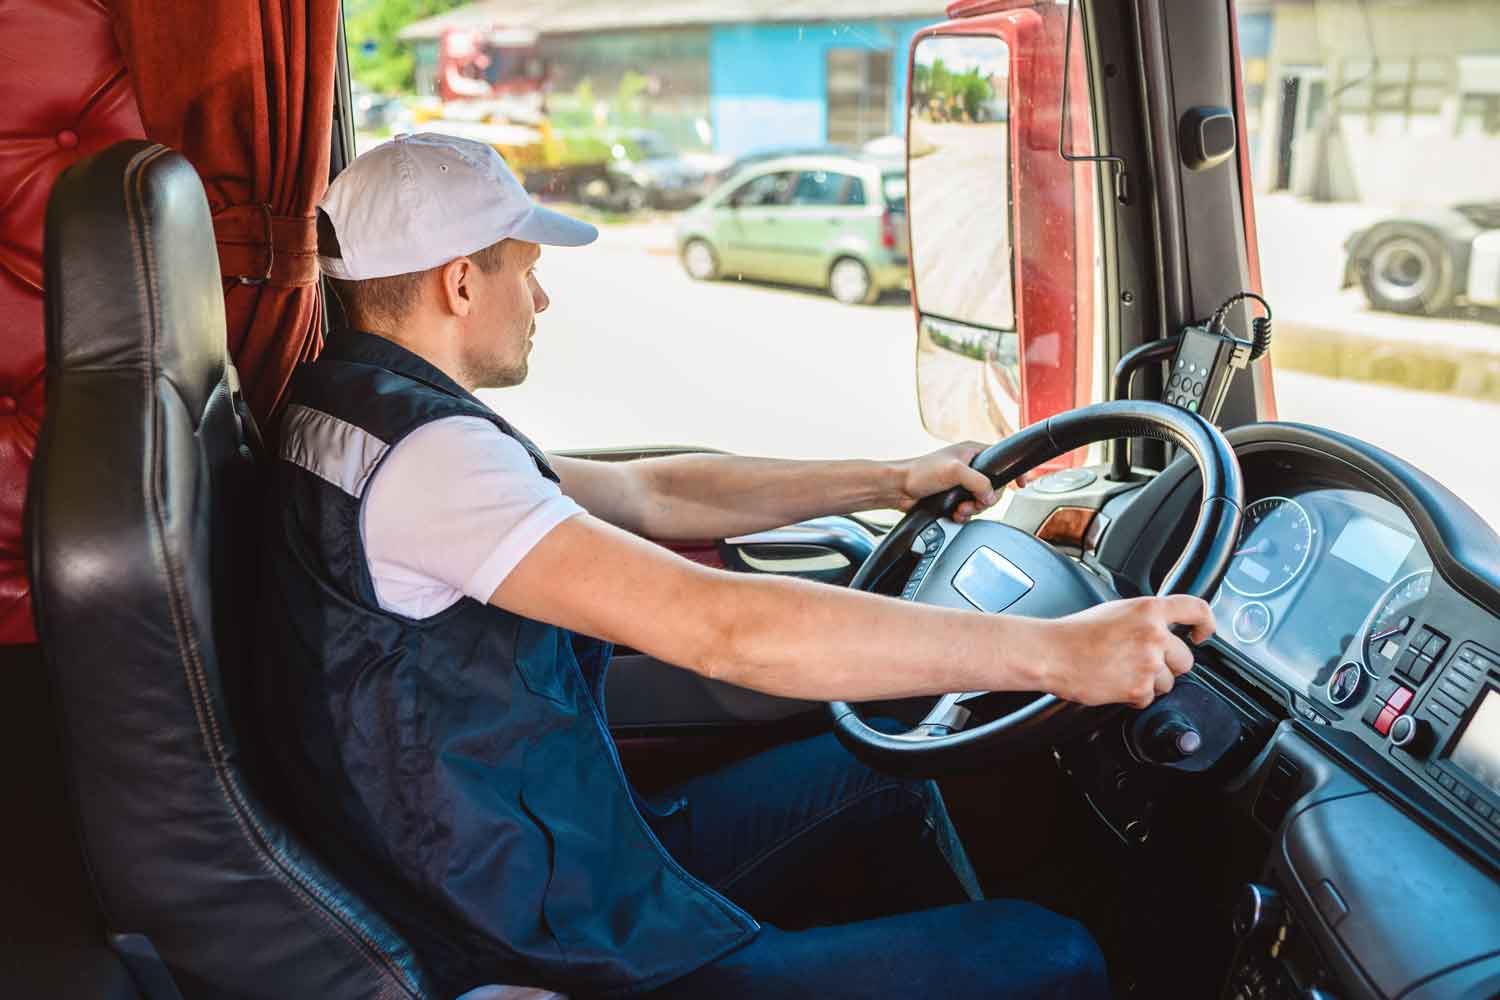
<point x="1322" y="589"/>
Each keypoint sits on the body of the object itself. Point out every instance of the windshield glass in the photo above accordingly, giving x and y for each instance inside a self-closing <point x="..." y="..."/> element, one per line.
<point x="1374" y="131"/>
<point x="773" y="318"/>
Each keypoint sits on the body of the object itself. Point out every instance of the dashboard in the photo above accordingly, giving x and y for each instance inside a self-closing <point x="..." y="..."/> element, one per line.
<point x="1359" y="621"/>
<point x="1332" y="604"/>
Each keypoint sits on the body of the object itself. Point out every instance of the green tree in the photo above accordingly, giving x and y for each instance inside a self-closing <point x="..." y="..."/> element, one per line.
<point x="377" y="58"/>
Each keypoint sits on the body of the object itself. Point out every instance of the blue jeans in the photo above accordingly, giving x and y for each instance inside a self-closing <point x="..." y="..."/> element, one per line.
<point x="785" y="833"/>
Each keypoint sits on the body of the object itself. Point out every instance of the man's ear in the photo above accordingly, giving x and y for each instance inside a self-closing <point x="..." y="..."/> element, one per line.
<point x="457" y="286"/>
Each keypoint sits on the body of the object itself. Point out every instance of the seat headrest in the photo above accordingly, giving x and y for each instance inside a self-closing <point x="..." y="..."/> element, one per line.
<point x="131" y="248"/>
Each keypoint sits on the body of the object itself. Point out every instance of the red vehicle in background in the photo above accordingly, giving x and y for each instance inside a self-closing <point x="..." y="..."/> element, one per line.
<point x="492" y="64"/>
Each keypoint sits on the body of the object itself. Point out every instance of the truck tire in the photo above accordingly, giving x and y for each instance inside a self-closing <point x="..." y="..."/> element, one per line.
<point x="850" y="281"/>
<point x="1408" y="270"/>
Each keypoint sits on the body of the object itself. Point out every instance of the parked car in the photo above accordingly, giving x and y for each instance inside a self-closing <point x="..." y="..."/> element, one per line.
<point x="1426" y="262"/>
<point x="374" y="111"/>
<point x="645" y="170"/>
<point x="834" y="222"/>
<point x="756" y="157"/>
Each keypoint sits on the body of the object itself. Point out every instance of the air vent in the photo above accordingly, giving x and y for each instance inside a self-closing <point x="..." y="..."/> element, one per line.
<point x="1278" y="793"/>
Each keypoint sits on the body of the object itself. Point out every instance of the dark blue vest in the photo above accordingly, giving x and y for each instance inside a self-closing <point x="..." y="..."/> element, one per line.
<point x="457" y="770"/>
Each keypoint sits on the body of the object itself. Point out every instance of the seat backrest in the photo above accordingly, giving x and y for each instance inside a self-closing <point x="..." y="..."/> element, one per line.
<point x="142" y="525"/>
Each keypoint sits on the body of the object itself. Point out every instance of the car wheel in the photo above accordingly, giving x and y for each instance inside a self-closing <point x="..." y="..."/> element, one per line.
<point x="1408" y="271"/>
<point x="849" y="281"/>
<point x="700" y="261"/>
<point x="631" y="199"/>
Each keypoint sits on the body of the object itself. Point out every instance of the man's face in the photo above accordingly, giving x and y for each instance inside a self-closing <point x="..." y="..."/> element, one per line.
<point x="504" y="319"/>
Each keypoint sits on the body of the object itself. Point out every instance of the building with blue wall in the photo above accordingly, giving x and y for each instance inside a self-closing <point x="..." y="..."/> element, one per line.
<point x="734" y="76"/>
<point x="778" y="84"/>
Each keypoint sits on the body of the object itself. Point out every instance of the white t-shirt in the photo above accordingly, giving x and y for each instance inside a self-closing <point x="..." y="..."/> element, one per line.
<point x="451" y="511"/>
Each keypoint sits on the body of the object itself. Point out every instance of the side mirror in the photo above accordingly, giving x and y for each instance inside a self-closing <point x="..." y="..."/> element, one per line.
<point x="959" y="185"/>
<point x="958" y="208"/>
<point x="1001" y="226"/>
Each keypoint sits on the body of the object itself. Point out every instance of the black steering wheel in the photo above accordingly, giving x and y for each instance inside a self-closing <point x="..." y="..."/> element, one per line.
<point x="992" y="567"/>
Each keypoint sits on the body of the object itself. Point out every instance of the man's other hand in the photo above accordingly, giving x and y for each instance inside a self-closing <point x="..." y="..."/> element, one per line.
<point x="945" y="468"/>
<point x="1124" y="651"/>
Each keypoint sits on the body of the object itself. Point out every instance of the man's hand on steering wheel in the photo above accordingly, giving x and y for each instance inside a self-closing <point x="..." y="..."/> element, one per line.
<point x="941" y="470"/>
<point x="1121" y="652"/>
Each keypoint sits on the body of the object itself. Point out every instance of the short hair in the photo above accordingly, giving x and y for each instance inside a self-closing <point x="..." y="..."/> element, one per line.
<point x="393" y="297"/>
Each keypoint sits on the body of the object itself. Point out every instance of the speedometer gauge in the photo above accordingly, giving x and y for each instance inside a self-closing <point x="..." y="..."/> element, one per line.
<point x="1275" y="541"/>
<point x="1385" y="632"/>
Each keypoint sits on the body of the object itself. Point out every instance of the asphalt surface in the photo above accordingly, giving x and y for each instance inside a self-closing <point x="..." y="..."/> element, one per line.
<point x="634" y="352"/>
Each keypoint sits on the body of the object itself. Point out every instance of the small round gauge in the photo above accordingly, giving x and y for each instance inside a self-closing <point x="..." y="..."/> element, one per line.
<point x="1251" y="622"/>
<point x="1385" y="631"/>
<point x="1275" y="541"/>
<point x="1345" y="683"/>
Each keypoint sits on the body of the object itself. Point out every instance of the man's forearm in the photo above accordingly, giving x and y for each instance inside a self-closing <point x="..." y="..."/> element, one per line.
<point x="804" y="640"/>
<point x="716" y="496"/>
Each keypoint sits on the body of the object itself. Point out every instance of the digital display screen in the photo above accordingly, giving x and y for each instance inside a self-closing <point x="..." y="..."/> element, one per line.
<point x="1373" y="547"/>
<point x="1478" y="751"/>
<point x="1253" y="569"/>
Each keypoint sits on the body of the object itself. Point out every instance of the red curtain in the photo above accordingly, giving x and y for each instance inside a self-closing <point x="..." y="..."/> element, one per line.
<point x="245" y="91"/>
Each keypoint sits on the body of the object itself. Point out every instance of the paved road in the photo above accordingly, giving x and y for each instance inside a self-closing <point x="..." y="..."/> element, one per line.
<point x="633" y="352"/>
<point x="1451" y="438"/>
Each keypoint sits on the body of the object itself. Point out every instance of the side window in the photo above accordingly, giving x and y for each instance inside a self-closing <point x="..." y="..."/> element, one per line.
<point x="767" y="189"/>
<point x="854" y="194"/>
<point x="820" y="187"/>
<point x="1375" y="197"/>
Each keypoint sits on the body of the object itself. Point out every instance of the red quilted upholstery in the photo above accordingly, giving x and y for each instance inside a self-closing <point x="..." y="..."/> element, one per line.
<point x="64" y="93"/>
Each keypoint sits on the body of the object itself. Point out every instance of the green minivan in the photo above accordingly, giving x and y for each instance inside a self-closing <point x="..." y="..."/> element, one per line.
<point x="834" y="222"/>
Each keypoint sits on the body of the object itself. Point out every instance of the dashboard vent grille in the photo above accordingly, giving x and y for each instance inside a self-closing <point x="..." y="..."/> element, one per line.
<point x="1278" y="793"/>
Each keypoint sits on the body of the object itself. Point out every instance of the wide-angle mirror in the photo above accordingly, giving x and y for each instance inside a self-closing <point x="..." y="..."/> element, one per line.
<point x="958" y="172"/>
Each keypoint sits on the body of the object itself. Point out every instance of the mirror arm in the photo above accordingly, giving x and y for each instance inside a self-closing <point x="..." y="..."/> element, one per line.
<point x="1122" y="186"/>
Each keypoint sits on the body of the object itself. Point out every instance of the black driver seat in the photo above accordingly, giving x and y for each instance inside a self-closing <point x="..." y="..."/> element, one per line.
<point x="141" y="519"/>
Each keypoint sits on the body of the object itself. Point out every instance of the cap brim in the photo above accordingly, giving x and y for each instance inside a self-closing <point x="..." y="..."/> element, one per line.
<point x="553" y="229"/>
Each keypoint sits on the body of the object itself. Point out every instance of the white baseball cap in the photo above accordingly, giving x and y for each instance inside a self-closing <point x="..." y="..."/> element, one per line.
<point x="421" y="200"/>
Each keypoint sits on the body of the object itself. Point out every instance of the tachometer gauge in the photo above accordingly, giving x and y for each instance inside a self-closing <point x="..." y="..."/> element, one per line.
<point x="1275" y="541"/>
<point x="1385" y="632"/>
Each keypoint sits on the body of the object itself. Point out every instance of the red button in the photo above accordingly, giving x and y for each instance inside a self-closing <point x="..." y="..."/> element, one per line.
<point x="1384" y="719"/>
<point x="1399" y="700"/>
<point x="67" y="138"/>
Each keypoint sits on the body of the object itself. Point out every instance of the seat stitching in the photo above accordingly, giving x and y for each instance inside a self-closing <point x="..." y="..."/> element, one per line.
<point x="188" y="646"/>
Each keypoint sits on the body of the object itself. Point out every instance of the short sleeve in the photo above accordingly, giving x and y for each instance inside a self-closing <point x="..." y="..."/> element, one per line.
<point x="455" y="506"/>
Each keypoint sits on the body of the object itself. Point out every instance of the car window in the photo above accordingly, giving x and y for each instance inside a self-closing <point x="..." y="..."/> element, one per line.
<point x="854" y="194"/>
<point x="767" y="189"/>
<point x="820" y="187"/>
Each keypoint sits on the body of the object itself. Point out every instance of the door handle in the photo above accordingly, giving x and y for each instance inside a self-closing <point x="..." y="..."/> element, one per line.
<point x="832" y="539"/>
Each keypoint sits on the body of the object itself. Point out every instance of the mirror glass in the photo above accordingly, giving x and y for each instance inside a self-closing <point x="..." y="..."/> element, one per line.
<point x="968" y="380"/>
<point x="958" y="171"/>
<point x="958" y="175"/>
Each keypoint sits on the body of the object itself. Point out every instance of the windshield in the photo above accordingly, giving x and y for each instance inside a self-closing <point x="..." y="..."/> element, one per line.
<point x="1374" y="130"/>
<point x="778" y="324"/>
<point x="786" y="328"/>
